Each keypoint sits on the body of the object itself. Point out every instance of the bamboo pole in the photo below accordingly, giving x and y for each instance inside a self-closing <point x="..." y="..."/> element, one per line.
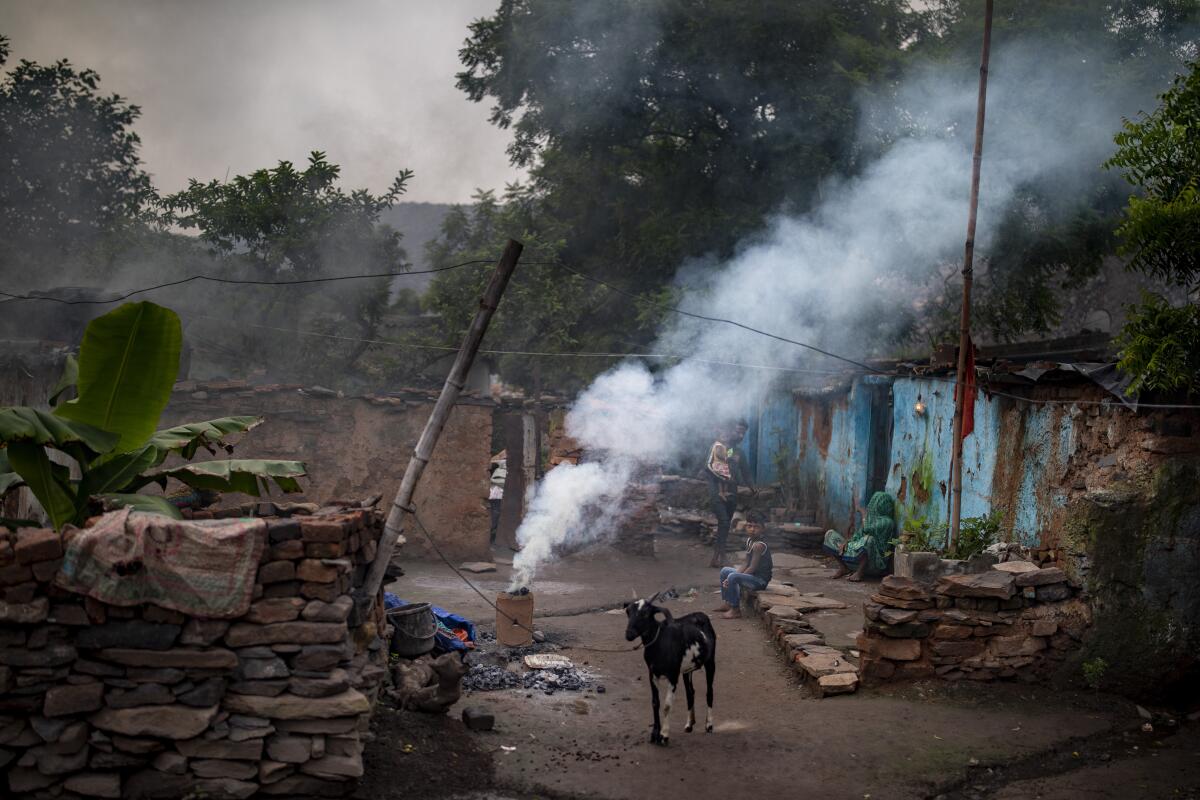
<point x="437" y="419"/>
<point x="968" y="277"/>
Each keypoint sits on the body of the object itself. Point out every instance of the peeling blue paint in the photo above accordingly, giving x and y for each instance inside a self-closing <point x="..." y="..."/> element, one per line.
<point x="1014" y="460"/>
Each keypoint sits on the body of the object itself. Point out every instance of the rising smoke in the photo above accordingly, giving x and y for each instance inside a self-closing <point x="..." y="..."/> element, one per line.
<point x="844" y="277"/>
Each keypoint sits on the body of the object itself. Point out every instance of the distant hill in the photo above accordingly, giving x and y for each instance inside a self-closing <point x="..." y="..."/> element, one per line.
<point x="419" y="223"/>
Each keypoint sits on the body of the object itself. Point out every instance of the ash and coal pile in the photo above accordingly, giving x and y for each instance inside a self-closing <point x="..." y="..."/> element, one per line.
<point x="491" y="677"/>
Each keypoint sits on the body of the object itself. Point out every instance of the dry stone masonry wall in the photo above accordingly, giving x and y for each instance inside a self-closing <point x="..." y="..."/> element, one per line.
<point x="1016" y="620"/>
<point x="98" y="700"/>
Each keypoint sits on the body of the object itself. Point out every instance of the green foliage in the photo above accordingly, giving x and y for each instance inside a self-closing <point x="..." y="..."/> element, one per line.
<point x="1049" y="240"/>
<point x="920" y="535"/>
<point x="126" y="370"/>
<point x="544" y="310"/>
<point x="1159" y="346"/>
<point x="976" y="534"/>
<point x="129" y="359"/>
<point x="1093" y="671"/>
<point x="656" y="132"/>
<point x="71" y="176"/>
<point x="288" y="223"/>
<point x="1159" y="154"/>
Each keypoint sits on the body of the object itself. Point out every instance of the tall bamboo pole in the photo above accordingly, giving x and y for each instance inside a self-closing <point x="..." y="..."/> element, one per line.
<point x="437" y="419"/>
<point x="968" y="271"/>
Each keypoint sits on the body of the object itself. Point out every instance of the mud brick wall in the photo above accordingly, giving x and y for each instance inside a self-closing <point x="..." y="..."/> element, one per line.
<point x="996" y="624"/>
<point x="145" y="702"/>
<point x="360" y="447"/>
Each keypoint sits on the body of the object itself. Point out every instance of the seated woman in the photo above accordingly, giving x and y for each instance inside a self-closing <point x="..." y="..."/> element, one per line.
<point x="867" y="551"/>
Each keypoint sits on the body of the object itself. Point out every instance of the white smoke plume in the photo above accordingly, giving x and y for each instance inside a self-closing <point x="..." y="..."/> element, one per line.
<point x="838" y="277"/>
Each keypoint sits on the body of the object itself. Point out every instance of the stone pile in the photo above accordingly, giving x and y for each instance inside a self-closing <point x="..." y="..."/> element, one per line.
<point x="145" y="702"/>
<point x="826" y="670"/>
<point x="1016" y="620"/>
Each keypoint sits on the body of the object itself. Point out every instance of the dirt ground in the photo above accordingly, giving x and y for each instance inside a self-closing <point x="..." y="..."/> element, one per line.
<point x="928" y="740"/>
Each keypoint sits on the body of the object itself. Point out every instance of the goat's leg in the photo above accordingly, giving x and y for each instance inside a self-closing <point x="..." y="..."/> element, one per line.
<point x="691" y="700"/>
<point x="710" y="670"/>
<point x="654" y="731"/>
<point x="667" y="689"/>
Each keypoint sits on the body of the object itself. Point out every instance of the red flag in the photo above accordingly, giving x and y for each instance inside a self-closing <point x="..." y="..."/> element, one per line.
<point x="970" y="389"/>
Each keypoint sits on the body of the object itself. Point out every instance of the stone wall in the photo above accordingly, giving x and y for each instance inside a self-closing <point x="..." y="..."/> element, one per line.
<point x="145" y="702"/>
<point x="360" y="446"/>
<point x="1014" y="621"/>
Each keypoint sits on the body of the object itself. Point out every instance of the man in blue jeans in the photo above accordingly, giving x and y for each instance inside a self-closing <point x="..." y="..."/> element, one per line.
<point x="755" y="574"/>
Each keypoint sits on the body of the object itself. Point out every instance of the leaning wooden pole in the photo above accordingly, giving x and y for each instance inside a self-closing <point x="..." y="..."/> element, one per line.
<point x="968" y="273"/>
<point x="437" y="419"/>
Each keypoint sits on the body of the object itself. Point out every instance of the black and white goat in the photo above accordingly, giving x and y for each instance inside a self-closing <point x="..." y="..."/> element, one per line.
<point x="672" y="647"/>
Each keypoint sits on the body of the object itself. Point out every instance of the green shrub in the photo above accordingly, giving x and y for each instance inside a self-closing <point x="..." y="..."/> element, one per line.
<point x="976" y="534"/>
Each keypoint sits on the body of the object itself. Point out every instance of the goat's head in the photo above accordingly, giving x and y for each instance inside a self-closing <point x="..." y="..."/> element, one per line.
<point x="642" y="615"/>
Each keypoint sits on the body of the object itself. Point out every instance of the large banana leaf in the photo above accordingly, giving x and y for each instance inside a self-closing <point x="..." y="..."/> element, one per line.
<point x="127" y="366"/>
<point x="69" y="379"/>
<point x="236" y="475"/>
<point x="142" y="502"/>
<point x="187" y="439"/>
<point x="49" y="482"/>
<point x="8" y="478"/>
<point x="79" y="440"/>
<point x="120" y="473"/>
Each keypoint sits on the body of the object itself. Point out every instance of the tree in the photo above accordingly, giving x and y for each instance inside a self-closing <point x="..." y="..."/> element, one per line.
<point x="1159" y="154"/>
<point x="656" y="132"/>
<point x="285" y="223"/>
<point x="1051" y="239"/>
<point x="71" y="180"/>
<point x="126" y="369"/>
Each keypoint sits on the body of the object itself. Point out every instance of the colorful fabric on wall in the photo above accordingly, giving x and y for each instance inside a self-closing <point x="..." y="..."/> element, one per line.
<point x="204" y="568"/>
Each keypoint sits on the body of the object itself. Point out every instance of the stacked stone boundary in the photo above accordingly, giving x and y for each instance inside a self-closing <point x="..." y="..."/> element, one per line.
<point x="104" y="701"/>
<point x="1014" y="621"/>
<point x="825" y="670"/>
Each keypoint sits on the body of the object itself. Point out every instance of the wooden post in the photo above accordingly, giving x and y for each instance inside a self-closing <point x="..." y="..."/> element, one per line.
<point x="968" y="271"/>
<point x="437" y="419"/>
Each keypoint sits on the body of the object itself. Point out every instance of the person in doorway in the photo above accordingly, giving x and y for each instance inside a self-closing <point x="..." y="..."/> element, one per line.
<point x="496" y="494"/>
<point x="754" y="574"/>
<point x="867" y="551"/>
<point x="725" y="468"/>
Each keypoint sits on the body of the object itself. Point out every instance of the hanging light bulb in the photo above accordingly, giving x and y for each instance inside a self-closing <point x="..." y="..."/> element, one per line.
<point x="919" y="407"/>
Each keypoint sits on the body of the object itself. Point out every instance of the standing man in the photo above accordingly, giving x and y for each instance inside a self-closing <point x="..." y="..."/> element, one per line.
<point x="496" y="493"/>
<point x="725" y="469"/>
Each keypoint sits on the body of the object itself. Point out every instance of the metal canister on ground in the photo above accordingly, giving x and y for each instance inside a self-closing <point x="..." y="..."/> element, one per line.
<point x="514" y="619"/>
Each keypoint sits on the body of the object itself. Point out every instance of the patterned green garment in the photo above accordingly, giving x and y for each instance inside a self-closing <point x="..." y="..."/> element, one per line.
<point x="873" y="538"/>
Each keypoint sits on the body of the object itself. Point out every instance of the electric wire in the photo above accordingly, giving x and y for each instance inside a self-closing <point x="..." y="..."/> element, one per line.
<point x="530" y="353"/>
<point x="239" y="282"/>
<point x="593" y="279"/>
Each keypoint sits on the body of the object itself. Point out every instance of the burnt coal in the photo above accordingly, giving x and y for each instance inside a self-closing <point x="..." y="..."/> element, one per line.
<point x="490" y="678"/>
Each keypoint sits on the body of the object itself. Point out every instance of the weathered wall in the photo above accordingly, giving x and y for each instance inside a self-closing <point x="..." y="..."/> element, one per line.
<point x="1112" y="496"/>
<point x="833" y="443"/>
<point x="357" y="447"/>
<point x="141" y="701"/>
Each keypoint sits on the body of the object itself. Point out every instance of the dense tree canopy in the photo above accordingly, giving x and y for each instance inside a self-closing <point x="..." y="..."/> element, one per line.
<point x="1159" y="154"/>
<point x="285" y="223"/>
<point x="666" y="131"/>
<point x="71" y="180"/>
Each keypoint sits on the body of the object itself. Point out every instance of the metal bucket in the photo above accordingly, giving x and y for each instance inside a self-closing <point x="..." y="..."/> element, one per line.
<point x="414" y="629"/>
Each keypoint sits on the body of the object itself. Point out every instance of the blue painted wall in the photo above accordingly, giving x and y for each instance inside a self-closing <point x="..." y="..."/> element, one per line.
<point x="1014" y="460"/>
<point x="834" y="436"/>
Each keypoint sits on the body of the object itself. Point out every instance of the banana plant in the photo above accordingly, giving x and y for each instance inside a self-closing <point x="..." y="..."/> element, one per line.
<point x="127" y="366"/>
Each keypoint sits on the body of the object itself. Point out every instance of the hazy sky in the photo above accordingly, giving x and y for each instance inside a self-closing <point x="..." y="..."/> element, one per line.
<point x="228" y="85"/>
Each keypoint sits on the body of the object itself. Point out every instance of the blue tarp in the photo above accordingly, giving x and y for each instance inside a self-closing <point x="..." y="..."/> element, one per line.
<point x="444" y="640"/>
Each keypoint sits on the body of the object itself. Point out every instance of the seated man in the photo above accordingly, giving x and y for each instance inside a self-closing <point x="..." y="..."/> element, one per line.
<point x="755" y="574"/>
<point x="867" y="551"/>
